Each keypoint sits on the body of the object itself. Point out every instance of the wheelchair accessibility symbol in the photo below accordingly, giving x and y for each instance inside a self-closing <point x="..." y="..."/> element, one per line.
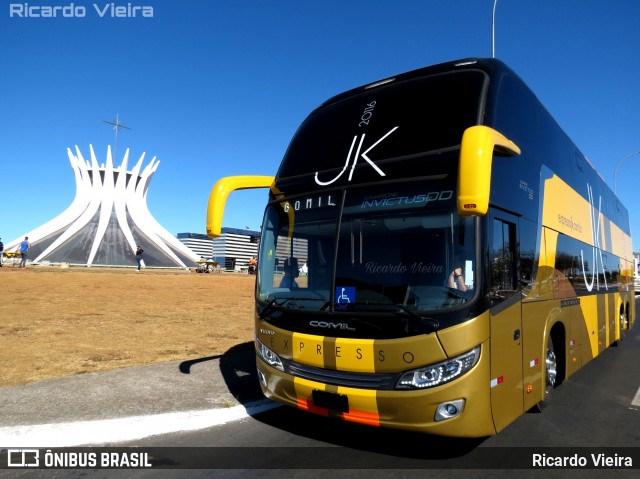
<point x="345" y="295"/>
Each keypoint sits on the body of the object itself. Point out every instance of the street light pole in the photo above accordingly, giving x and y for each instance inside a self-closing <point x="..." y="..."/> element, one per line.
<point x="493" y="30"/>
<point x="615" y="172"/>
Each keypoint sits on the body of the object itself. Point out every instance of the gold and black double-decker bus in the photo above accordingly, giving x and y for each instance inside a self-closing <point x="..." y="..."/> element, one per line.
<point x="436" y="255"/>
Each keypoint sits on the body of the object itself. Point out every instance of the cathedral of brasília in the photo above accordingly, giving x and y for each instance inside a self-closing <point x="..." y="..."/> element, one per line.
<point x="106" y="220"/>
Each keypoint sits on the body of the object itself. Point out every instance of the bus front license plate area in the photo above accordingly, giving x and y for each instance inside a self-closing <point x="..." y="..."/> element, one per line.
<point x="331" y="401"/>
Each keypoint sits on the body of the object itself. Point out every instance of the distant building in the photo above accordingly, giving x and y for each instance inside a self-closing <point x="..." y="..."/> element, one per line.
<point x="234" y="247"/>
<point x="106" y="220"/>
<point x="199" y="243"/>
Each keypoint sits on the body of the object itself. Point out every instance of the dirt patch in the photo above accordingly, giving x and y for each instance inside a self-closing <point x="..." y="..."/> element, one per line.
<point x="59" y="322"/>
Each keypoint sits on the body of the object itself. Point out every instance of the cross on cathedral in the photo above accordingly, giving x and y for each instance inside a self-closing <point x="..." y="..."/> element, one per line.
<point x="116" y="126"/>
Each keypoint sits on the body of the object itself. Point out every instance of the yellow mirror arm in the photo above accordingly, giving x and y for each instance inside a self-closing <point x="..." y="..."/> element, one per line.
<point x="221" y="190"/>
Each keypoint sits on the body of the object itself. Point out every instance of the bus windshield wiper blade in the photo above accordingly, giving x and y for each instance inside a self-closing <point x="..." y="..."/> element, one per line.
<point x="270" y="306"/>
<point x="431" y="323"/>
<point x="274" y="303"/>
<point x="325" y="305"/>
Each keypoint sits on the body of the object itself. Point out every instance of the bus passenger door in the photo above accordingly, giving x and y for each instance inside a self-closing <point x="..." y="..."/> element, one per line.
<point x="505" y="319"/>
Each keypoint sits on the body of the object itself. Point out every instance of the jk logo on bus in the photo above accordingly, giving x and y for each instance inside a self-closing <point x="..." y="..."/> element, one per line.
<point x="356" y="156"/>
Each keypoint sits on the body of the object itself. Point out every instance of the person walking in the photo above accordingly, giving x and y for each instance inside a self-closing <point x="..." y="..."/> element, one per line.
<point x="139" y="252"/>
<point x="1" y="251"/>
<point x="24" y="249"/>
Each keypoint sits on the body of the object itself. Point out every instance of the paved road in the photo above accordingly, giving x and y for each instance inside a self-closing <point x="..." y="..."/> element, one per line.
<point x="127" y="404"/>
<point x="599" y="406"/>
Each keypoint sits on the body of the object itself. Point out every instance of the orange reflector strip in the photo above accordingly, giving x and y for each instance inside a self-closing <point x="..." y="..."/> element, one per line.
<point x="362" y="417"/>
<point x="307" y="405"/>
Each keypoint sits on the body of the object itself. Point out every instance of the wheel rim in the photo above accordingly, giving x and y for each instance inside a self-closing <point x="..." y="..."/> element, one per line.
<point x="623" y="324"/>
<point x="552" y="369"/>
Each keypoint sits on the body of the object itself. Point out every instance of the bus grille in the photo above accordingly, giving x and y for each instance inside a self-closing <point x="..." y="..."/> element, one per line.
<point x="385" y="381"/>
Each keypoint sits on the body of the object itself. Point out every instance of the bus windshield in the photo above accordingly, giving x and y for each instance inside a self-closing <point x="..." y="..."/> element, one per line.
<point x="400" y="247"/>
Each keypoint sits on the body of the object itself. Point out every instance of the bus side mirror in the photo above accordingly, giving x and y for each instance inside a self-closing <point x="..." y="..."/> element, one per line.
<point x="221" y="190"/>
<point x="474" y="174"/>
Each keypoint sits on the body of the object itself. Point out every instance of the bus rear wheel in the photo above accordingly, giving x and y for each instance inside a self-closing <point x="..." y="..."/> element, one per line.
<point x="624" y="325"/>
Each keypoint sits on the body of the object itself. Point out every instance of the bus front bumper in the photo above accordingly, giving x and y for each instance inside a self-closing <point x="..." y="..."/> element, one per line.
<point x="467" y="397"/>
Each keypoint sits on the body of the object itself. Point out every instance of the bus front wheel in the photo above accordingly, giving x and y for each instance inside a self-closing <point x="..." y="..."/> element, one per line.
<point x="551" y="369"/>
<point x="550" y="374"/>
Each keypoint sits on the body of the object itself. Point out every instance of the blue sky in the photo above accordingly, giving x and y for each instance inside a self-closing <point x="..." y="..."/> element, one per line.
<point x="217" y="88"/>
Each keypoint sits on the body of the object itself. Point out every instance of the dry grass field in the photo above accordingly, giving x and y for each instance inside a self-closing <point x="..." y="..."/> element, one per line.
<point x="60" y="322"/>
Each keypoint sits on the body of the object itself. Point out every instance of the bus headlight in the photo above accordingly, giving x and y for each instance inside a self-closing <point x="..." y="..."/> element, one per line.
<point x="268" y="356"/>
<point x="439" y="373"/>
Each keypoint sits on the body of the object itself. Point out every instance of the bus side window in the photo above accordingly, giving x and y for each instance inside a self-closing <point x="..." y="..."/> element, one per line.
<point x="528" y="234"/>
<point x="502" y="261"/>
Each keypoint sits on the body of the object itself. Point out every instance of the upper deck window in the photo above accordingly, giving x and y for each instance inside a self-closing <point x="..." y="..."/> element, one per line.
<point x="388" y="122"/>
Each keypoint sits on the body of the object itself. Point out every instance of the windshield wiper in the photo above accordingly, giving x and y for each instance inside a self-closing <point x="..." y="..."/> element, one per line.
<point x="267" y="308"/>
<point x="431" y="324"/>
<point x="290" y="302"/>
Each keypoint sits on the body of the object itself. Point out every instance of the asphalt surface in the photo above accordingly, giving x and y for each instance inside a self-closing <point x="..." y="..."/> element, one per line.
<point x="118" y="405"/>
<point x="128" y="404"/>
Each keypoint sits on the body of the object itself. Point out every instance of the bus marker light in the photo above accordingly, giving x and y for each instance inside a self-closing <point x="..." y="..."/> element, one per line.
<point x="383" y="82"/>
<point x="529" y="388"/>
